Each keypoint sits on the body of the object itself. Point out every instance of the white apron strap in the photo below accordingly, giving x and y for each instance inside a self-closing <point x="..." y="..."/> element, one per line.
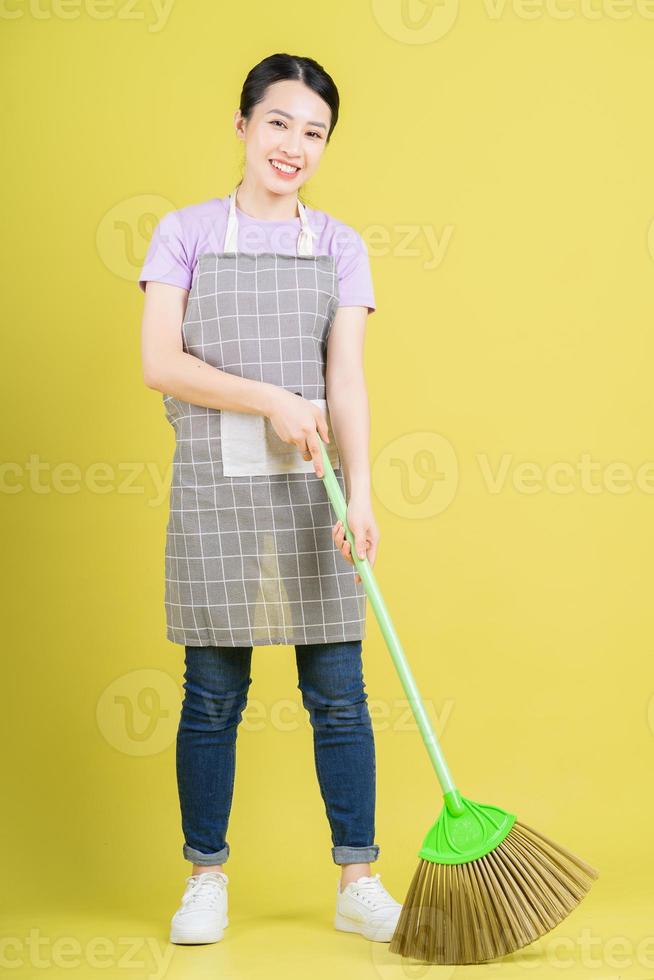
<point x="305" y="238"/>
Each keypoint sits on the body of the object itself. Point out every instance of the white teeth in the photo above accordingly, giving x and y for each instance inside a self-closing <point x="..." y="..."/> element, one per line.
<point x="284" y="167"/>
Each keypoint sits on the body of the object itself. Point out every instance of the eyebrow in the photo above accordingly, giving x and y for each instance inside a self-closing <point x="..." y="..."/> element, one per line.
<point x="289" y="116"/>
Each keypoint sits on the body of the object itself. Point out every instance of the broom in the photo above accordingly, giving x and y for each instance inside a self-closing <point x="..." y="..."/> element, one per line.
<point x="486" y="884"/>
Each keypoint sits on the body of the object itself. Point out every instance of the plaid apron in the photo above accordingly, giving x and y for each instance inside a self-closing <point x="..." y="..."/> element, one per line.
<point x="250" y="558"/>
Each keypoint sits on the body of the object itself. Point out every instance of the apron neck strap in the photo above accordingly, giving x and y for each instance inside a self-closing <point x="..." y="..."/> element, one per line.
<point x="305" y="238"/>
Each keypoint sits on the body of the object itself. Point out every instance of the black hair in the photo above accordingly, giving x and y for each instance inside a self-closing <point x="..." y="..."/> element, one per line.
<point x="277" y="68"/>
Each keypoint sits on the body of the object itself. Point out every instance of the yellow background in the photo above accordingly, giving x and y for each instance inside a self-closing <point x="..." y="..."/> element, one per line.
<point x="522" y="143"/>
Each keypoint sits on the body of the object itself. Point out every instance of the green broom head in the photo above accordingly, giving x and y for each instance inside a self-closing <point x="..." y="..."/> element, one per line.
<point x="465" y="830"/>
<point x="486" y="885"/>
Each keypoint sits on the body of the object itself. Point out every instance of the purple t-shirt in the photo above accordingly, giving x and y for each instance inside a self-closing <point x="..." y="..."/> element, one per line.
<point x="182" y="236"/>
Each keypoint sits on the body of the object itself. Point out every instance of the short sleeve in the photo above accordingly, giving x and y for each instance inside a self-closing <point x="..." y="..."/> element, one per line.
<point x="353" y="267"/>
<point x="166" y="259"/>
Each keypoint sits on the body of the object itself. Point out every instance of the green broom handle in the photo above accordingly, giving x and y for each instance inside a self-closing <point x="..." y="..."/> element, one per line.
<point x="369" y="582"/>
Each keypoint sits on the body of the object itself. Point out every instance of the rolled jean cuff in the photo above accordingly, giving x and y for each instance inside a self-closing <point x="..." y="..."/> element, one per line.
<point x="355" y="855"/>
<point x="197" y="857"/>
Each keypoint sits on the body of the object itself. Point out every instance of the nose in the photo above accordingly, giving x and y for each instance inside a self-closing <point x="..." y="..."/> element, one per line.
<point x="290" y="144"/>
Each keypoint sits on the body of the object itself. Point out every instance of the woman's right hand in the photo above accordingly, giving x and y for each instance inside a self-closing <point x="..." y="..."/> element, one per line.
<point x="298" y="421"/>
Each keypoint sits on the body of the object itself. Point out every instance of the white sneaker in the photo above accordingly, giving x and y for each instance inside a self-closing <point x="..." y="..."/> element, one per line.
<point x="365" y="906"/>
<point x="202" y="916"/>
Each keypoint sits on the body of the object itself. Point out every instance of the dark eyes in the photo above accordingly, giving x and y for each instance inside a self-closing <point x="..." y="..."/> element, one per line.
<point x="311" y="132"/>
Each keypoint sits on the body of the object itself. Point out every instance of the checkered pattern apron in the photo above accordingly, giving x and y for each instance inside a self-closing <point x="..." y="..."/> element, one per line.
<point x="250" y="559"/>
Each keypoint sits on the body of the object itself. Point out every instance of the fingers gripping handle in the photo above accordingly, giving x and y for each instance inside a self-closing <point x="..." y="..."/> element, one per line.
<point x="388" y="630"/>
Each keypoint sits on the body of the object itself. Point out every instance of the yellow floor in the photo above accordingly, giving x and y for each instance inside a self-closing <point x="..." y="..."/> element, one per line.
<point x="604" y="939"/>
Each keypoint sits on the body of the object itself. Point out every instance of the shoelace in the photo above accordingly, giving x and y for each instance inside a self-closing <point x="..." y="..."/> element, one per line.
<point x="373" y="893"/>
<point x="202" y="891"/>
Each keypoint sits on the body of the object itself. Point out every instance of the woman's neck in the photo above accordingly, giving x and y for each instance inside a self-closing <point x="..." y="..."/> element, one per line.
<point x="258" y="202"/>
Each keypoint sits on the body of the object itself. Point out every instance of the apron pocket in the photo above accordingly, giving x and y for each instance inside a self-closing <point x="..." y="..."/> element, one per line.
<point x="251" y="447"/>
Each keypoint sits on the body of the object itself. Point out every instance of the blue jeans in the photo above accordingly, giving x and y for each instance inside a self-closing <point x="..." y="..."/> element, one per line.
<point x="216" y="682"/>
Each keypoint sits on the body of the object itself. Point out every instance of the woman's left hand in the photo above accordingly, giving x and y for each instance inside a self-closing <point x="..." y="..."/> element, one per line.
<point x="364" y="529"/>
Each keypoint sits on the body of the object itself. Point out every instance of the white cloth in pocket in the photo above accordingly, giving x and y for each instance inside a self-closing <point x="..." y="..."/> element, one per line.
<point x="251" y="447"/>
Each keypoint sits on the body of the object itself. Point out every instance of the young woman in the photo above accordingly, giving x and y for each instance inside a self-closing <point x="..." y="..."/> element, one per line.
<point x="253" y="330"/>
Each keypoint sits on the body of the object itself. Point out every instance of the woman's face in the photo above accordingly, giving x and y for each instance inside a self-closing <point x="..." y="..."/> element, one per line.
<point x="289" y="126"/>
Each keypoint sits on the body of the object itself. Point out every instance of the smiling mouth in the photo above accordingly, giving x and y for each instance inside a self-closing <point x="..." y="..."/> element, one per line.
<point x="288" y="169"/>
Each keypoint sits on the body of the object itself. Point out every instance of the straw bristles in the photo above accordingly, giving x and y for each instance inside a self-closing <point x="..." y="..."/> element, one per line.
<point x="487" y="908"/>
